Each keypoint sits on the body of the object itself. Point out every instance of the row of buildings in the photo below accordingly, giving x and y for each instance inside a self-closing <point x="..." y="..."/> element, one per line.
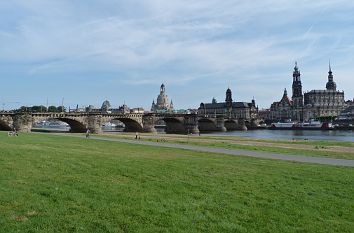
<point x="327" y="104"/>
<point x="323" y="104"/>
<point x="227" y="109"/>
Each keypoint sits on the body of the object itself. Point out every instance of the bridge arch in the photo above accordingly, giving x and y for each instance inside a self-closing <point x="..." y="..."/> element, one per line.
<point x="207" y="125"/>
<point x="174" y="125"/>
<point x="231" y="125"/>
<point x="131" y="125"/>
<point x="4" y="126"/>
<point x="75" y="125"/>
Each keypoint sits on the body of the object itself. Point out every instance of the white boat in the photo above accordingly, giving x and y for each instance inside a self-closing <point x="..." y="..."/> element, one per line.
<point x="312" y="124"/>
<point x="109" y="124"/>
<point x="282" y="125"/>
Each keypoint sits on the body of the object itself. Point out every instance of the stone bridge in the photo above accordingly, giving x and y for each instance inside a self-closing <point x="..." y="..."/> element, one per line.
<point x="180" y="123"/>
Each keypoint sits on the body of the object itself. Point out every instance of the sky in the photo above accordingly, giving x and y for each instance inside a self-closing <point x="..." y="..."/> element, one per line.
<point x="85" y="51"/>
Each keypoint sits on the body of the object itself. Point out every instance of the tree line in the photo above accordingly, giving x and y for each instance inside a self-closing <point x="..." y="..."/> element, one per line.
<point x="41" y="108"/>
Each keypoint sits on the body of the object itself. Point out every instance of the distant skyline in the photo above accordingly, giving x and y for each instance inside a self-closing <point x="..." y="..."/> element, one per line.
<point x="92" y="50"/>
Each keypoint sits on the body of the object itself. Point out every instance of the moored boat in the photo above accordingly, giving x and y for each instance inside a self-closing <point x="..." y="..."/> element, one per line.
<point x="310" y="125"/>
<point x="282" y="125"/>
<point x="314" y="125"/>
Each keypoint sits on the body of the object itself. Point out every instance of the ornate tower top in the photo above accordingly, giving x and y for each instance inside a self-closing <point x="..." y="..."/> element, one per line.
<point x="228" y="95"/>
<point x="228" y="98"/>
<point x="162" y="88"/>
<point x="296" y="73"/>
<point x="285" y="98"/>
<point x="331" y="85"/>
<point x="297" y="86"/>
<point x="171" y="104"/>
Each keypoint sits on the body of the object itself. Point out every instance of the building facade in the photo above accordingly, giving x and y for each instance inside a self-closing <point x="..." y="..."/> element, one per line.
<point x="229" y="109"/>
<point x="281" y="111"/>
<point x="328" y="103"/>
<point x="162" y="103"/>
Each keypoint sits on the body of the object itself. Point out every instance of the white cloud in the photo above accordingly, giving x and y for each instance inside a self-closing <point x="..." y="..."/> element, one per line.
<point x="178" y="42"/>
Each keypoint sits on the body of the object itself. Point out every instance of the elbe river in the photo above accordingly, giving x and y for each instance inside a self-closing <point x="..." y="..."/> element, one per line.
<point x="331" y="135"/>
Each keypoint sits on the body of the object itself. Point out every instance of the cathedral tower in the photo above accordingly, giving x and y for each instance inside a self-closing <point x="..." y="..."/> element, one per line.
<point x="331" y="85"/>
<point x="298" y="98"/>
<point x="228" y="98"/>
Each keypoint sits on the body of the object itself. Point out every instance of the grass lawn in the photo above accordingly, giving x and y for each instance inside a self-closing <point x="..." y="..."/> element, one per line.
<point x="64" y="184"/>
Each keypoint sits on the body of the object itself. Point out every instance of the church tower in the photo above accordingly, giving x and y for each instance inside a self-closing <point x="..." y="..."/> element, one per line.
<point x="298" y="98"/>
<point x="331" y="85"/>
<point x="228" y="99"/>
<point x="153" y="106"/>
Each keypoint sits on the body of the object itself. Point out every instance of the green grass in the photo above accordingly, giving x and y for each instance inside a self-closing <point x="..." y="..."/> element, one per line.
<point x="64" y="184"/>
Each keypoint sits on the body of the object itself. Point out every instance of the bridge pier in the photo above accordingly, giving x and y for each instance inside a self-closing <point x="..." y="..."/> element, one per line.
<point x="191" y="124"/>
<point x="242" y="125"/>
<point x="94" y="124"/>
<point x="23" y="122"/>
<point x="149" y="124"/>
<point x="254" y="124"/>
<point x="220" y="124"/>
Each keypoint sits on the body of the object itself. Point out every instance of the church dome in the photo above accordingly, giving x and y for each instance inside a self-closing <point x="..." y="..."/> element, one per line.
<point x="162" y="102"/>
<point x="105" y="105"/>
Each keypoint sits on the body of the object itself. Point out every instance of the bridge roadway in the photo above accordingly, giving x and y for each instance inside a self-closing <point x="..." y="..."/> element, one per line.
<point x="180" y="123"/>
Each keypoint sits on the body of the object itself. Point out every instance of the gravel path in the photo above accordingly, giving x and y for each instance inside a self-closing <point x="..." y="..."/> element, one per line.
<point x="249" y="153"/>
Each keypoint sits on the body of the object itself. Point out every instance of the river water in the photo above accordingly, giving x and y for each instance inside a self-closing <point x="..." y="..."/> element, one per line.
<point x="332" y="135"/>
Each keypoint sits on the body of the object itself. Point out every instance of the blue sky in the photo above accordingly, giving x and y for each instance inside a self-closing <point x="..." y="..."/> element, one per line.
<point x="91" y="50"/>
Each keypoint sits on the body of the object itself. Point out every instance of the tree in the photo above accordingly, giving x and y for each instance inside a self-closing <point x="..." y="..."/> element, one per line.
<point x="23" y="109"/>
<point x="52" y="109"/>
<point x="60" y="109"/>
<point x="39" y="108"/>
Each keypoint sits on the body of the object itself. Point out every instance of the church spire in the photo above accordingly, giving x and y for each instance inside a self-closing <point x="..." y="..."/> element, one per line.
<point x="297" y="96"/>
<point x="331" y="85"/>
<point x="296" y="73"/>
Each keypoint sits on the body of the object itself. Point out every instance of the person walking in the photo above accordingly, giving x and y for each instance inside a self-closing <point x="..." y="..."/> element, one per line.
<point x="87" y="133"/>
